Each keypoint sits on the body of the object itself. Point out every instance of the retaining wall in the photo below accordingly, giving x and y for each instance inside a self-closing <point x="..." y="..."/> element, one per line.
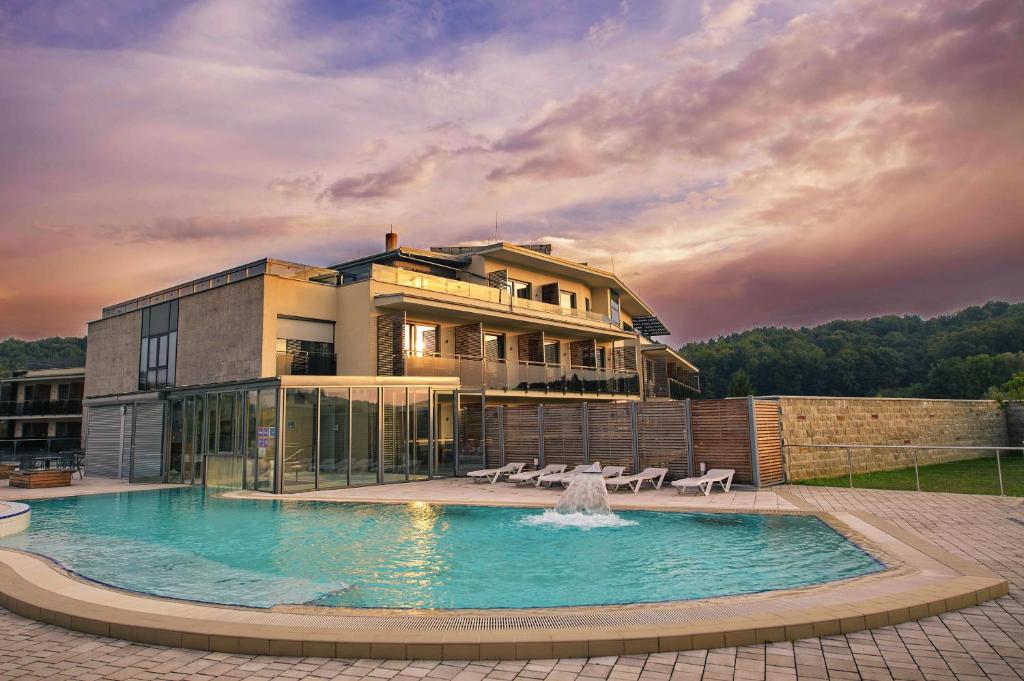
<point x="827" y="421"/>
<point x="1015" y="423"/>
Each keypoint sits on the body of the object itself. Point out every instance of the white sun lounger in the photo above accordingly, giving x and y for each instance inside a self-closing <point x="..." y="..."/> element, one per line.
<point x="561" y="478"/>
<point x="612" y="471"/>
<point x="492" y="475"/>
<point x="723" y="476"/>
<point x="654" y="475"/>
<point x="532" y="476"/>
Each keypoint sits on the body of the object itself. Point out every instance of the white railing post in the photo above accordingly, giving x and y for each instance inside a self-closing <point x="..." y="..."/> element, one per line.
<point x="999" y="471"/>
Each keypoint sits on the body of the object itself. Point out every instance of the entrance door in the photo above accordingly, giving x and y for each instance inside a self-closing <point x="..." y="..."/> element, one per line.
<point x="470" y="431"/>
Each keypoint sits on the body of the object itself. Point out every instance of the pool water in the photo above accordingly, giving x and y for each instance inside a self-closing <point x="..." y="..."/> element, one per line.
<point x="184" y="543"/>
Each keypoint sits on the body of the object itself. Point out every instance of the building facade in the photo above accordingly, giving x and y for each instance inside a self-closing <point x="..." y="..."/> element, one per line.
<point x="282" y="377"/>
<point x="41" y="411"/>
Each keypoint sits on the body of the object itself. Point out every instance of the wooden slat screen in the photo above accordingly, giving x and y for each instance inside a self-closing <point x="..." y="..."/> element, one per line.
<point x="721" y="437"/>
<point x="390" y="341"/>
<point x="522" y="428"/>
<point x="549" y="294"/>
<point x="530" y="347"/>
<point x="497" y="279"/>
<point x="583" y="353"/>
<point x="769" y="441"/>
<point x="469" y="340"/>
<point x="563" y="434"/>
<point x="492" y="436"/>
<point x="662" y="432"/>
<point x="611" y="434"/>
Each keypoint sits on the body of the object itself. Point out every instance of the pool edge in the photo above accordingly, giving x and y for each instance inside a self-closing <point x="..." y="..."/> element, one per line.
<point x="920" y="580"/>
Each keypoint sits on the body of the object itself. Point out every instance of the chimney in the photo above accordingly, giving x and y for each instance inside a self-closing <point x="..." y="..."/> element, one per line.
<point x="390" y="241"/>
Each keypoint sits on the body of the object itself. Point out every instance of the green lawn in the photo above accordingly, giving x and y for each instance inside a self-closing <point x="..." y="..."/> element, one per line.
<point x="972" y="476"/>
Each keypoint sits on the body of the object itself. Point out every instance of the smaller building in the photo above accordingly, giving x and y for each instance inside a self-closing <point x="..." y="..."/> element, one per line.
<point x="41" y="411"/>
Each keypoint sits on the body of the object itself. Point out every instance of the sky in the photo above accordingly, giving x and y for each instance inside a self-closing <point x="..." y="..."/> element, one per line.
<point x="739" y="163"/>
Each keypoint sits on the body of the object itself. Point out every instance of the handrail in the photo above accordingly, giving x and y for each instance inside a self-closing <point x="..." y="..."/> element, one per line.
<point x="41" y="407"/>
<point x="465" y="289"/>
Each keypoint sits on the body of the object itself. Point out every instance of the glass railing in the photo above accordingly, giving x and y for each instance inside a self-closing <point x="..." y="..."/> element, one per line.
<point x="474" y="372"/>
<point x="489" y="294"/>
<point x="11" y="450"/>
<point x="41" y="408"/>
<point x="307" y="364"/>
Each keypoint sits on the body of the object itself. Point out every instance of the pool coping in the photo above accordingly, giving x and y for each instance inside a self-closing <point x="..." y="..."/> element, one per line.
<point x="14" y="517"/>
<point x="919" y="580"/>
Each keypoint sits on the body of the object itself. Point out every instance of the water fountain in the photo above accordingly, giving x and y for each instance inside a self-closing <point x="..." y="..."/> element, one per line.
<point x="583" y="504"/>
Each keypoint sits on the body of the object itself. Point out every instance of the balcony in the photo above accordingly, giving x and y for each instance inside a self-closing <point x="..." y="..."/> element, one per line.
<point x="505" y="375"/>
<point x="41" y="408"/>
<point x="486" y="294"/>
<point x="307" y="364"/>
<point x="12" y="449"/>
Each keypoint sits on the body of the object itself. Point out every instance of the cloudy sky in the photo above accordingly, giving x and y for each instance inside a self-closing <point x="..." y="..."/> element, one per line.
<point x="742" y="162"/>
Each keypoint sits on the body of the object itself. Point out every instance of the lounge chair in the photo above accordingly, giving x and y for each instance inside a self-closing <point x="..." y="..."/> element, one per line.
<point x="654" y="475"/>
<point x="561" y="478"/>
<point x="532" y="476"/>
<point x="612" y="471"/>
<point x="704" y="483"/>
<point x="492" y="475"/>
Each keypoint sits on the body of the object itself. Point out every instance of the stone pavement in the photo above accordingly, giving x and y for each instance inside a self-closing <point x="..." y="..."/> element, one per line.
<point x="981" y="642"/>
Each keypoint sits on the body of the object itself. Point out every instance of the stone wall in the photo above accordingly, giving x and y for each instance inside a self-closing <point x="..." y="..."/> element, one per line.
<point x="878" y="421"/>
<point x="1015" y="423"/>
<point x="112" y="358"/>
<point x="220" y="334"/>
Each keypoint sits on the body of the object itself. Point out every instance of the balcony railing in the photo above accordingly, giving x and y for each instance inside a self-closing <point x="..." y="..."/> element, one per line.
<point x="475" y="372"/>
<point x="11" y="450"/>
<point x="487" y="294"/>
<point x="307" y="364"/>
<point x="41" y="408"/>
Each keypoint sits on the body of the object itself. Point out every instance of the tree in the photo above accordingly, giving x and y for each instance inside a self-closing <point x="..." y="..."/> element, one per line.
<point x="957" y="356"/>
<point x="1011" y="391"/>
<point x="740" y="385"/>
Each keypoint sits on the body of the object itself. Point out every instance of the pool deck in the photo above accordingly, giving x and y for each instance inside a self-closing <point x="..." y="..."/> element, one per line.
<point x="921" y="580"/>
<point x="78" y="487"/>
<point x="463" y="491"/>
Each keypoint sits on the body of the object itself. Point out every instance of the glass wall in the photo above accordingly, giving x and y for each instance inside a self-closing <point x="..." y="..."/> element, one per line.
<point x="332" y="437"/>
<point x="395" y="443"/>
<point x="365" y="457"/>
<point x="444" y="433"/>
<point x="176" y="439"/>
<point x="300" y="440"/>
<point x="334" y="434"/>
<point x="419" y="433"/>
<point x="266" y="441"/>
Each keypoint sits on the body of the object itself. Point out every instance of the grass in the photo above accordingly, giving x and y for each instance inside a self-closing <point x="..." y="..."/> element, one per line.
<point x="971" y="476"/>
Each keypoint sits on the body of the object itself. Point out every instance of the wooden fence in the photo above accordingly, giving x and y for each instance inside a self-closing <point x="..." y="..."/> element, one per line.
<point x="680" y="435"/>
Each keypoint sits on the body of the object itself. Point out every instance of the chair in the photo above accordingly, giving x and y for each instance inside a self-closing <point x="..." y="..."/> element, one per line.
<point x="561" y="478"/>
<point x="492" y="475"/>
<point x="704" y="483"/>
<point x="532" y="476"/>
<point x="653" y="475"/>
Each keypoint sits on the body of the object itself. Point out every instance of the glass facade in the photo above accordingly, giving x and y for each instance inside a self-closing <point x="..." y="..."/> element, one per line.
<point x="331" y="437"/>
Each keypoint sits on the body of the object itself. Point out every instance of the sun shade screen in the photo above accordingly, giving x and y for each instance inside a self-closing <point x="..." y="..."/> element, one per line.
<point x="549" y="294"/>
<point x="305" y="330"/>
<point x="390" y="344"/>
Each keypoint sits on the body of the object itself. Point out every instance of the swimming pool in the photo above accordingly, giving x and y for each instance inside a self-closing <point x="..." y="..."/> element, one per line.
<point x="184" y="543"/>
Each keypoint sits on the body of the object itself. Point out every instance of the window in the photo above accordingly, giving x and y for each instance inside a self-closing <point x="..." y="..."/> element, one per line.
<point x="158" y="346"/>
<point x="519" y="289"/>
<point x="616" y="309"/>
<point x="494" y="346"/>
<point x="551" y="352"/>
<point x="421" y="339"/>
<point x="586" y="304"/>
<point x="567" y="299"/>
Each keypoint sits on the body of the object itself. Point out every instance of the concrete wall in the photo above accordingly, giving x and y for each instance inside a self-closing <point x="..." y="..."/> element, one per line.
<point x="820" y="420"/>
<point x="112" y="358"/>
<point x="219" y="334"/>
<point x="291" y="297"/>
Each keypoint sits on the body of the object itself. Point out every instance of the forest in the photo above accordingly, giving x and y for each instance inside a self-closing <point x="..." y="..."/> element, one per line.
<point x="56" y="352"/>
<point x="961" y="355"/>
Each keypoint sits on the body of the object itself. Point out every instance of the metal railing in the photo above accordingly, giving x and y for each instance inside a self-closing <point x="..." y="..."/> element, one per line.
<point x="11" y="450"/>
<point x="476" y="372"/>
<point x="488" y="294"/>
<point x="41" y="407"/>
<point x="307" y="364"/>
<point x="896" y="471"/>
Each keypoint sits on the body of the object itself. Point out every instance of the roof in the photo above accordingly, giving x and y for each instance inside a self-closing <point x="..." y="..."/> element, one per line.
<point x="433" y="257"/>
<point x="43" y="374"/>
